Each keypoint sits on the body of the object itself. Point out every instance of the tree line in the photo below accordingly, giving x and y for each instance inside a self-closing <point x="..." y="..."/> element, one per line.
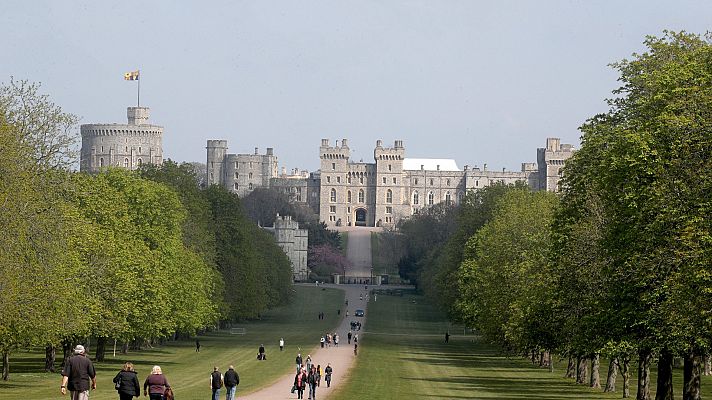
<point x="618" y="265"/>
<point x="120" y="255"/>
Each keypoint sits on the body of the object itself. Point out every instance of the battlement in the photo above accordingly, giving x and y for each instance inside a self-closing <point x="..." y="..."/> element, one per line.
<point x="336" y="152"/>
<point x="397" y="152"/>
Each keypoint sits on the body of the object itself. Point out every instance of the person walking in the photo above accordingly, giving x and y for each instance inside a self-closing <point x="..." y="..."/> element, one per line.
<point x="216" y="383"/>
<point x="322" y="341"/>
<point x="126" y="383"/>
<point x="281" y="344"/>
<point x="231" y="380"/>
<point x="447" y="336"/>
<point x="328" y="371"/>
<point x="309" y="363"/>
<point x="261" y="353"/>
<point x="298" y="361"/>
<point x="155" y="384"/>
<point x="355" y="348"/>
<point x="349" y="336"/>
<point x="318" y="375"/>
<point x="300" y="382"/>
<point x="336" y="340"/>
<point x="312" y="381"/>
<point x="197" y="346"/>
<point x="78" y="375"/>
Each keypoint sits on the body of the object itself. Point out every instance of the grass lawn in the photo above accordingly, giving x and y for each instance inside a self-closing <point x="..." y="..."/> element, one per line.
<point x="187" y="371"/>
<point x="404" y="356"/>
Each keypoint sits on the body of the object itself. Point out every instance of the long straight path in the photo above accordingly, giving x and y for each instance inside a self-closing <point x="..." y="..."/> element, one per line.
<point x="341" y="358"/>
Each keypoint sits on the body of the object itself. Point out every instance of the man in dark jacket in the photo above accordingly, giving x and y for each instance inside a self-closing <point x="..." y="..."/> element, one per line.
<point x="78" y="371"/>
<point x="232" y="379"/>
<point x="216" y="382"/>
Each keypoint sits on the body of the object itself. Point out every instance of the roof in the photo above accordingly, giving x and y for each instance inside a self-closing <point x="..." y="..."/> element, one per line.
<point x="430" y="164"/>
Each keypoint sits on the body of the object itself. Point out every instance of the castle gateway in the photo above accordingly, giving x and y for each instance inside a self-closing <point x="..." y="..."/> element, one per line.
<point x="393" y="187"/>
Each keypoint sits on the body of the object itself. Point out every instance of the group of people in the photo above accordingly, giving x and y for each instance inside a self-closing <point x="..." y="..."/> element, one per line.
<point x="309" y="375"/>
<point x="329" y="338"/>
<point x="79" y="376"/>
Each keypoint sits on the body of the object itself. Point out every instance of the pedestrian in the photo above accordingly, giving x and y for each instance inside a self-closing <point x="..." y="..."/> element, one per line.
<point x="447" y="336"/>
<point x="328" y="371"/>
<point x="309" y="362"/>
<point x="155" y="384"/>
<point x="318" y="375"/>
<point x="347" y="313"/>
<point x="336" y="340"/>
<point x="300" y="382"/>
<point x="261" y="353"/>
<point x="298" y="361"/>
<point x="311" y="381"/>
<point x="126" y="383"/>
<point x="231" y="380"/>
<point x="216" y="382"/>
<point x="281" y="344"/>
<point x="322" y="341"/>
<point x="356" y="338"/>
<point x="197" y="346"/>
<point x="349" y="336"/>
<point x="355" y="348"/>
<point x="77" y="374"/>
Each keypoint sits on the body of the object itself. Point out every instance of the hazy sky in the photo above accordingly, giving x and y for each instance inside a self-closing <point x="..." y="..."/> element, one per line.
<point x="477" y="81"/>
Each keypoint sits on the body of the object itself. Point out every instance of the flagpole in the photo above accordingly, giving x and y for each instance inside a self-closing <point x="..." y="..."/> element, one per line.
<point x="138" y="94"/>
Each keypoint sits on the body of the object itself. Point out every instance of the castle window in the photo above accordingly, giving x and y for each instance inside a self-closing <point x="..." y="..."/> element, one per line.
<point x="348" y="196"/>
<point x="332" y="209"/>
<point x="127" y="149"/>
<point x="432" y="181"/>
<point x="477" y="183"/>
<point x="139" y="149"/>
<point x="384" y="180"/>
<point x="360" y="196"/>
<point x="333" y="166"/>
<point x="389" y="196"/>
<point x="328" y="179"/>
<point x="102" y="149"/>
<point x="348" y="179"/>
<point x="360" y="180"/>
<point x="250" y="175"/>
<point x="236" y="187"/>
<point x="416" y="181"/>
<point x="139" y="162"/>
<point x="389" y="167"/>
<point x="101" y="162"/>
<point x="447" y="182"/>
<point x="416" y="200"/>
<point x="460" y="197"/>
<point x="237" y="175"/>
<point x="389" y="210"/>
<point x="431" y="198"/>
<point x="332" y="197"/>
<point x="448" y="199"/>
<point x="394" y="181"/>
<point x="249" y="186"/>
<point x="126" y="162"/>
<point x="338" y="179"/>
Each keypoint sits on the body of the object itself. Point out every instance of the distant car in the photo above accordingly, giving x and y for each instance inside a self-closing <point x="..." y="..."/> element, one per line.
<point x="359" y="313"/>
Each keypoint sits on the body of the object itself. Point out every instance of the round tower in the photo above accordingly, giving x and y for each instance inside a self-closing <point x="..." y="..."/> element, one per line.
<point x="217" y="150"/>
<point x="121" y="145"/>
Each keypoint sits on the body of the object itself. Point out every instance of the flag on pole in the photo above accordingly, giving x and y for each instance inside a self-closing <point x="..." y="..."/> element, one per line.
<point x="131" y="76"/>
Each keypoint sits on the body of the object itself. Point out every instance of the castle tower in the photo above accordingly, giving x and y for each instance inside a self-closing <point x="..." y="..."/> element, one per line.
<point x="121" y="145"/>
<point x="216" y="149"/>
<point x="550" y="160"/>
<point x="294" y="242"/>
<point x="334" y="162"/>
<point x="391" y="188"/>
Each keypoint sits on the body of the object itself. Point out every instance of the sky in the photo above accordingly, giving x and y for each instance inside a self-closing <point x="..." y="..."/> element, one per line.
<point x="476" y="81"/>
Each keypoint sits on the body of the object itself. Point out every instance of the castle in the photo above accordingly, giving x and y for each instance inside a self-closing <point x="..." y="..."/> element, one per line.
<point x="393" y="187"/>
<point x="121" y="145"/>
<point x="294" y="242"/>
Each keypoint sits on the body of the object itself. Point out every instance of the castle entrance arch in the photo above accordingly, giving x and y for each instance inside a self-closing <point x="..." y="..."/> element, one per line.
<point x="360" y="217"/>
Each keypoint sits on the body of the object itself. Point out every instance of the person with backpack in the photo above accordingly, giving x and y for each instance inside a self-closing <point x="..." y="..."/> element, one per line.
<point x="216" y="382"/>
<point x="231" y="380"/>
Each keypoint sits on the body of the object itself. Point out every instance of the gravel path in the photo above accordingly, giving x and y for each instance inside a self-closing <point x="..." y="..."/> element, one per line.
<point x="341" y="358"/>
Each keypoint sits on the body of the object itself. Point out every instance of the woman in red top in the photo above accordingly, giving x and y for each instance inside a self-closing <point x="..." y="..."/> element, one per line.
<point x="156" y="384"/>
<point x="300" y="382"/>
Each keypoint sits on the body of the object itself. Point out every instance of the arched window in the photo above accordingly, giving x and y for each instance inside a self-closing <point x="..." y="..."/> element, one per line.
<point x="431" y="198"/>
<point x="126" y="162"/>
<point x="389" y="196"/>
<point x="416" y="200"/>
<point x="348" y="196"/>
<point x="360" y="196"/>
<point x="101" y="162"/>
<point x="448" y="199"/>
<point x="139" y="162"/>
<point x="250" y="175"/>
<point x="332" y="198"/>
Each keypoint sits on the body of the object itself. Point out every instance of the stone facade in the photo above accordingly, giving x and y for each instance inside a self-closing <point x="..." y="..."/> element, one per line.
<point x="121" y="145"/>
<point x="393" y="187"/>
<point x="240" y="173"/>
<point x="294" y="242"/>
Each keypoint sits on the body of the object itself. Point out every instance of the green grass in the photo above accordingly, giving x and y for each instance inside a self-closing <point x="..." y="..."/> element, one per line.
<point x="187" y="370"/>
<point x="404" y="356"/>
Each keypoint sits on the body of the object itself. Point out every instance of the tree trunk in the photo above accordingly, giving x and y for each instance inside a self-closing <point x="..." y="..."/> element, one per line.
<point x="644" y="359"/>
<point x="550" y="361"/>
<point x="6" y="365"/>
<point x="100" y="349"/>
<point x="582" y="371"/>
<point x="66" y="350"/>
<point x="50" y="357"/>
<point x="125" y="348"/>
<point x="595" y="371"/>
<point x="532" y="355"/>
<point x="708" y="365"/>
<point x="542" y="359"/>
<point x="612" y="375"/>
<point x="664" y="387"/>
<point x="570" y="369"/>
<point x="691" y="377"/>
<point x="625" y="373"/>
